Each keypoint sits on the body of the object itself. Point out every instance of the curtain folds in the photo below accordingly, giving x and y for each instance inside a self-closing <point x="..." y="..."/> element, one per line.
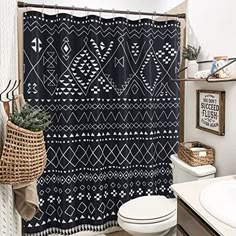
<point x="108" y="86"/>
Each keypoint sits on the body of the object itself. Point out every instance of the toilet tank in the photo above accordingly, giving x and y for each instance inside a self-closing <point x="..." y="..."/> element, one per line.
<point x="182" y="172"/>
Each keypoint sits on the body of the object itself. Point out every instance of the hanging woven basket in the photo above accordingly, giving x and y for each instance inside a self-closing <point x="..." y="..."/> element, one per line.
<point x="24" y="155"/>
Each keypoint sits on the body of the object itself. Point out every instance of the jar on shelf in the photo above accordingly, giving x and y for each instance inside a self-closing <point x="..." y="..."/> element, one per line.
<point x="218" y="63"/>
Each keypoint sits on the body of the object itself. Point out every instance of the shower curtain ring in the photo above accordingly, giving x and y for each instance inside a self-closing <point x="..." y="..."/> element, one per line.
<point x="127" y="15"/>
<point x="113" y="13"/>
<point x="43" y="10"/>
<point x="86" y="12"/>
<point x="100" y="14"/>
<point x="73" y="10"/>
<point x="55" y="9"/>
<point x="153" y="16"/>
<point x="177" y="17"/>
<point x="139" y="16"/>
<point x="25" y="6"/>
<point x="166" y="17"/>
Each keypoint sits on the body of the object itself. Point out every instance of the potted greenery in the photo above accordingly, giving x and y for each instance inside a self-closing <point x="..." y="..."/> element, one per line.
<point x="30" y="118"/>
<point x="191" y="54"/>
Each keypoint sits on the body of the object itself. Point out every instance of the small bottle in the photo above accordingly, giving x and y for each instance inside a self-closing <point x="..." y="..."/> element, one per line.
<point x="218" y="63"/>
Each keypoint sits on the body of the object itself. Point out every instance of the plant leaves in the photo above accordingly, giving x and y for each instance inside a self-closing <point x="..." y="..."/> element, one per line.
<point x="191" y="53"/>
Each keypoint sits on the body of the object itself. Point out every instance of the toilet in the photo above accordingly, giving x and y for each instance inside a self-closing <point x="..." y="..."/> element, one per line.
<point x="157" y="215"/>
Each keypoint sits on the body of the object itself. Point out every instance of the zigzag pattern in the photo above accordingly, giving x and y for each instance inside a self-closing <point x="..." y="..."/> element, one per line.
<point x="101" y="117"/>
<point x="57" y="29"/>
<point x="41" y="25"/>
<point x="113" y="126"/>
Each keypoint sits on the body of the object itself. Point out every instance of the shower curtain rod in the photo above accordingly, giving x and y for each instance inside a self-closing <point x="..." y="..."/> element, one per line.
<point x="72" y="8"/>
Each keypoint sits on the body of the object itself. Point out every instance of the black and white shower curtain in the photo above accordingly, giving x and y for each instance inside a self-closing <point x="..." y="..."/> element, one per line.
<point x="108" y="86"/>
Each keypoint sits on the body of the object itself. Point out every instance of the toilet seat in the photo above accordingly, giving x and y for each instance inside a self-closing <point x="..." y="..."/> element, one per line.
<point x="148" y="210"/>
<point x="149" y="221"/>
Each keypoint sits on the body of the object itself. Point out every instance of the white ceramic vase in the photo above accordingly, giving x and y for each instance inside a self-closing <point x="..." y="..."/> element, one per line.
<point x="192" y="68"/>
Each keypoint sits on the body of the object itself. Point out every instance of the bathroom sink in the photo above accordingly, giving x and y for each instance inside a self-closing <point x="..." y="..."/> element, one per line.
<point x="219" y="199"/>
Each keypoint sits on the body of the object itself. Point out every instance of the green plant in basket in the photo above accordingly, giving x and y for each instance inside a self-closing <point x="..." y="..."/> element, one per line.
<point x="30" y="118"/>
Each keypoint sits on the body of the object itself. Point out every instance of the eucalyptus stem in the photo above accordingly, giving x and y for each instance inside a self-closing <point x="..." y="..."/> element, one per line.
<point x="191" y="53"/>
<point x="30" y="118"/>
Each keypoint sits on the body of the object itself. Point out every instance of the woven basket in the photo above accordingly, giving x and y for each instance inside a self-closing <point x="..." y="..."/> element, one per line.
<point x="196" y="158"/>
<point x="24" y="155"/>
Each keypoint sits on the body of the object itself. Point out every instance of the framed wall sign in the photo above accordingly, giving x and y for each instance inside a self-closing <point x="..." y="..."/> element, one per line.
<point x="211" y="111"/>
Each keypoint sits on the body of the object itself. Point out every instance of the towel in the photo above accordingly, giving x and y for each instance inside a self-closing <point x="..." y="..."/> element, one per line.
<point x="26" y="195"/>
<point x="202" y="74"/>
<point x="26" y="199"/>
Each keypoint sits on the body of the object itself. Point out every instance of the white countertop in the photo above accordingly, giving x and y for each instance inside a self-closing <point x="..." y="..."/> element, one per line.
<point x="189" y="192"/>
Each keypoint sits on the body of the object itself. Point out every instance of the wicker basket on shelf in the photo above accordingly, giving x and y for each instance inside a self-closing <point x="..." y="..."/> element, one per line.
<point x="24" y="155"/>
<point x="196" y="153"/>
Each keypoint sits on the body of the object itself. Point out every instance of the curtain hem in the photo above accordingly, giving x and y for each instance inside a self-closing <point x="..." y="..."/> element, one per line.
<point x="80" y="230"/>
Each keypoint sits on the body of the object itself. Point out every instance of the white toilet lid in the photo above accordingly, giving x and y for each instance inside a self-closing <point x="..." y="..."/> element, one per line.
<point x="148" y="209"/>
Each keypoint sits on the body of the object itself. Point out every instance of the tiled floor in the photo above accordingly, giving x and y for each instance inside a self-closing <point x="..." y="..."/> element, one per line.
<point x="121" y="233"/>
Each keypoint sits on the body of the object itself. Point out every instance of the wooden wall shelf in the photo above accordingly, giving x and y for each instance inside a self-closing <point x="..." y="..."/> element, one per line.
<point x="210" y="80"/>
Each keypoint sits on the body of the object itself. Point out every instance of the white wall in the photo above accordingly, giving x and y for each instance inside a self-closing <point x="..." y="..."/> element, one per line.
<point x="212" y="25"/>
<point x="214" y="28"/>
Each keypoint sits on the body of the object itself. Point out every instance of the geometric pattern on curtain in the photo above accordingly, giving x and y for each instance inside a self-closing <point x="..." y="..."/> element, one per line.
<point x="115" y="109"/>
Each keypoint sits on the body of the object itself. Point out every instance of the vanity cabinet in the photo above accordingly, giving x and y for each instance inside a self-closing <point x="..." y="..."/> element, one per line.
<point x="190" y="224"/>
